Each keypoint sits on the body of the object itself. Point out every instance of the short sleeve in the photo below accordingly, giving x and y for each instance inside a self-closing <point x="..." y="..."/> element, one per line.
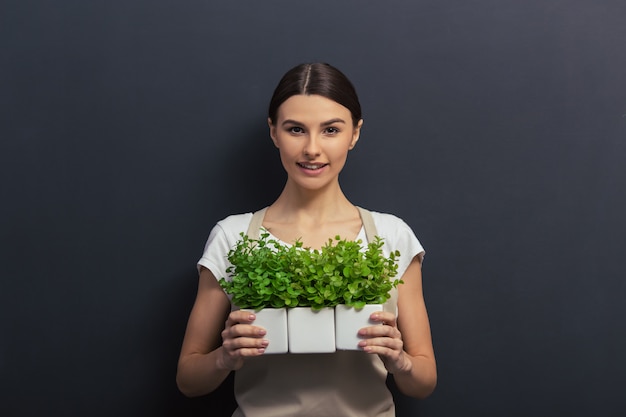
<point x="398" y="235"/>
<point x="222" y="238"/>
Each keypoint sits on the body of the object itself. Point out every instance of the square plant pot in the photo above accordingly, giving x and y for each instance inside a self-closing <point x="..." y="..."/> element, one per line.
<point x="311" y="331"/>
<point x="348" y="321"/>
<point x="274" y="321"/>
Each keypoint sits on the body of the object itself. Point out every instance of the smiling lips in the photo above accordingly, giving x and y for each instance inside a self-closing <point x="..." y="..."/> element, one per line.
<point x="311" y="166"/>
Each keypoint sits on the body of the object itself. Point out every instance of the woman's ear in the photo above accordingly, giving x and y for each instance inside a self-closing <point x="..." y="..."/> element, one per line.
<point x="272" y="127"/>
<point x="356" y="134"/>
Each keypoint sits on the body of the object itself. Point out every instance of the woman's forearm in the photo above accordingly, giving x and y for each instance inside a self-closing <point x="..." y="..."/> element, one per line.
<point x="199" y="374"/>
<point x="420" y="380"/>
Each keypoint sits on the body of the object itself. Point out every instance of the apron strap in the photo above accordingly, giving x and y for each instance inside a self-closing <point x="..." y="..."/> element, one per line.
<point x="368" y="224"/>
<point x="256" y="224"/>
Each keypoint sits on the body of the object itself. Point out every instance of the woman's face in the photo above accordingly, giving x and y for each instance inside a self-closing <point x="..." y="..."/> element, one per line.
<point x="313" y="135"/>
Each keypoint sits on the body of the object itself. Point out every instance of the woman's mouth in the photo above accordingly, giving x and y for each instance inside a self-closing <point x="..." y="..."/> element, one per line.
<point x="311" y="167"/>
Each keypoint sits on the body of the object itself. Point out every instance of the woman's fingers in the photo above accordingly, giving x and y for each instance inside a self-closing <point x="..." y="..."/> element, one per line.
<point x="241" y="339"/>
<point x="385" y="340"/>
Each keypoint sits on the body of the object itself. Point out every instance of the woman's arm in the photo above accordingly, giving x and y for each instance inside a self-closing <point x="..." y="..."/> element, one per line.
<point x="405" y="345"/>
<point x="215" y="342"/>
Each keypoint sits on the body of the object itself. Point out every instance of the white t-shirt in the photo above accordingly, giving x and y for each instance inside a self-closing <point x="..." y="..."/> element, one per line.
<point x="340" y="384"/>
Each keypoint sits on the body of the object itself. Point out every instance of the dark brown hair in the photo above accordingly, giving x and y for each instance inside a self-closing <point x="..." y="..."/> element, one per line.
<point x="316" y="79"/>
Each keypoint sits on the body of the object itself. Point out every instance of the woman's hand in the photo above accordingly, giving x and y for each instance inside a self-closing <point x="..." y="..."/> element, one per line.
<point x="385" y="340"/>
<point x="240" y="339"/>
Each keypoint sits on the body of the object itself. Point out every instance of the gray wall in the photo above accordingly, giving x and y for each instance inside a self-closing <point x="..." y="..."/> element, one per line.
<point x="495" y="128"/>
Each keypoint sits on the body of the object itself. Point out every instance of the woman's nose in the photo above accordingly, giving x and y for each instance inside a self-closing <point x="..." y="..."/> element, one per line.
<point x="311" y="147"/>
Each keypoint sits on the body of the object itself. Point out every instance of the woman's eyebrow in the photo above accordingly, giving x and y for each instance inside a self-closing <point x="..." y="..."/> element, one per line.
<point x="331" y="121"/>
<point x="290" y="122"/>
<point x="326" y="123"/>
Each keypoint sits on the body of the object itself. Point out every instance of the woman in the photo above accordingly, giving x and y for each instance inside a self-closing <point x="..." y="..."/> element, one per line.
<point x="314" y="121"/>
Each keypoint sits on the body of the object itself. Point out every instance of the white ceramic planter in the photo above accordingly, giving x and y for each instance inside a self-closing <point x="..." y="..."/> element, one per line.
<point x="274" y="321"/>
<point x="348" y="321"/>
<point x="311" y="331"/>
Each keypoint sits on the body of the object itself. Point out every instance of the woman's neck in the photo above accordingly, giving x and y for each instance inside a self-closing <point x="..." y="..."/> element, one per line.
<point x="312" y="217"/>
<point x="322" y="205"/>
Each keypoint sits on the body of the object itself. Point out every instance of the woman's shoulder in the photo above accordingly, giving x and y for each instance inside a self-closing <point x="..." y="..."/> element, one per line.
<point x="233" y="225"/>
<point x="398" y="235"/>
<point x="388" y="222"/>
<point x="235" y="221"/>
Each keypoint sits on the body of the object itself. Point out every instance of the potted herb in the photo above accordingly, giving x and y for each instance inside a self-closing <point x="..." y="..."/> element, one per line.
<point x="261" y="282"/>
<point x="311" y="322"/>
<point x="325" y="290"/>
<point x="364" y="281"/>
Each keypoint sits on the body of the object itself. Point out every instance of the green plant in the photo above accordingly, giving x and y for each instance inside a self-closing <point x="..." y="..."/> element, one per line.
<point x="353" y="276"/>
<point x="261" y="273"/>
<point x="266" y="273"/>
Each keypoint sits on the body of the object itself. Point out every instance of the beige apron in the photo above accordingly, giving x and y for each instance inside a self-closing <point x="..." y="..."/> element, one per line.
<point x="344" y="383"/>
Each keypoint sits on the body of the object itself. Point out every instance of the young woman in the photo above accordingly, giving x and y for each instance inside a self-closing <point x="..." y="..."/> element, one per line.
<point x="314" y="121"/>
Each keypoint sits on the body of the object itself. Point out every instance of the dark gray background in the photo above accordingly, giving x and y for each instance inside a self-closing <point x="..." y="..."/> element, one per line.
<point x="495" y="128"/>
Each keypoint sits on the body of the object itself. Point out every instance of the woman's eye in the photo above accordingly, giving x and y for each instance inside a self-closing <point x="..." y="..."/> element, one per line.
<point x="296" y="130"/>
<point x="331" y="130"/>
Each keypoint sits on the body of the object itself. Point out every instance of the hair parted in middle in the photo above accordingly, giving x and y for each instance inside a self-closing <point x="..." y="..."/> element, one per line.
<point x="317" y="78"/>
